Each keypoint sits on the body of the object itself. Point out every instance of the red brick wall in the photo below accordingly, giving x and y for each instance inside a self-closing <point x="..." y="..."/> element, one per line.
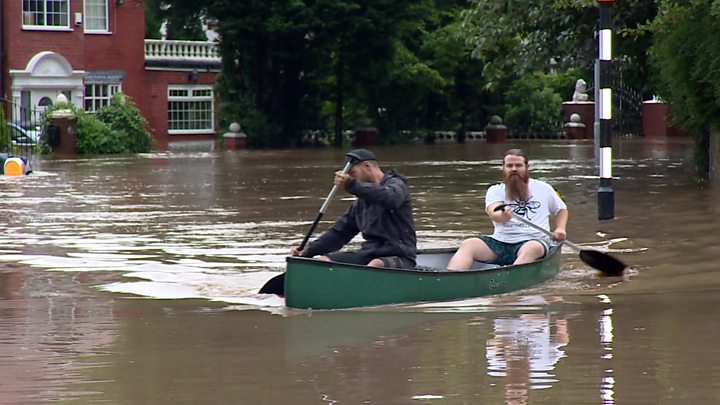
<point x="122" y="49"/>
<point x="157" y="99"/>
<point x="21" y="44"/>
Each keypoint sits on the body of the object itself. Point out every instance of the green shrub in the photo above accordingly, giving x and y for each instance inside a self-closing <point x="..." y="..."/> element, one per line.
<point x="533" y="106"/>
<point x="116" y="128"/>
<point x="96" y="137"/>
<point x="4" y="135"/>
<point x="125" y="119"/>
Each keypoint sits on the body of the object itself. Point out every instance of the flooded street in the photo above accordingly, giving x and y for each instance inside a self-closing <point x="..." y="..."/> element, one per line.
<point x="134" y="279"/>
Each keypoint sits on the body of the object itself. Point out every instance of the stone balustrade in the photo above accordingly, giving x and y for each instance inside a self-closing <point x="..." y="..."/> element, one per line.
<point x="169" y="50"/>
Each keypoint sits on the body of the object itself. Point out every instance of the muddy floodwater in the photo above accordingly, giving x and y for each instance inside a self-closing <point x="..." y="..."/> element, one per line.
<point x="133" y="280"/>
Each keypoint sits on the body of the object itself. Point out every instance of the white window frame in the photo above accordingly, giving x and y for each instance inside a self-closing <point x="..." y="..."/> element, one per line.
<point x="98" y="101"/>
<point x="29" y="16"/>
<point x="186" y="114"/>
<point x="90" y="6"/>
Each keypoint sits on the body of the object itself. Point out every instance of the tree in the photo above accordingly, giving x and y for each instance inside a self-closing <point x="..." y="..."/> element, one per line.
<point x="435" y="84"/>
<point x="285" y="62"/>
<point x="265" y="47"/>
<point x="182" y="21"/>
<point x="153" y="19"/>
<point x="687" y="60"/>
<point x="293" y="65"/>
<point x="515" y="38"/>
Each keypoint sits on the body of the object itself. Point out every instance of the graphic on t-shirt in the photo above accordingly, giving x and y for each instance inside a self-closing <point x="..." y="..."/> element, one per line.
<point x="521" y="207"/>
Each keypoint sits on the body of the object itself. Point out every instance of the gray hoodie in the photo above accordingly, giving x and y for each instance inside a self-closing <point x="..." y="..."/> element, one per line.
<point x="382" y="212"/>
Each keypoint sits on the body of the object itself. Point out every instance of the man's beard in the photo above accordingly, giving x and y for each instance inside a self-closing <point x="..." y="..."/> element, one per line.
<point x="516" y="186"/>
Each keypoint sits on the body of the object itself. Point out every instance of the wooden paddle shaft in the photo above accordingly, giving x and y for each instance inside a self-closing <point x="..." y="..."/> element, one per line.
<point x="543" y="230"/>
<point x="334" y="189"/>
<point x="322" y="209"/>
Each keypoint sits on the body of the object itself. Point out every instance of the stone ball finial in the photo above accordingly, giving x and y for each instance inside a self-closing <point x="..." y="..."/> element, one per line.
<point x="61" y="99"/>
<point x="575" y="118"/>
<point x="235" y="127"/>
<point x="495" y="120"/>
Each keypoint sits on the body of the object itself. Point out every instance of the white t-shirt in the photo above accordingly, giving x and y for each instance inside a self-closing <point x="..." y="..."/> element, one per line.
<point x="543" y="201"/>
<point x="532" y="337"/>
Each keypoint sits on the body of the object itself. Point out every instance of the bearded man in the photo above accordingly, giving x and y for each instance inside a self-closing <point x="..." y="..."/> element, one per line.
<point x="514" y="242"/>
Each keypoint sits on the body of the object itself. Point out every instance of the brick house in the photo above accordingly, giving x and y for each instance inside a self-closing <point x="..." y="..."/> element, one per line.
<point x="91" y="49"/>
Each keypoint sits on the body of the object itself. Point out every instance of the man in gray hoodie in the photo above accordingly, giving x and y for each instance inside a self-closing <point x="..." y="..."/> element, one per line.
<point x="382" y="213"/>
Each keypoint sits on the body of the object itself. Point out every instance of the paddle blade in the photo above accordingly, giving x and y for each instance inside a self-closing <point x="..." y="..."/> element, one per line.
<point x="275" y="285"/>
<point x="607" y="264"/>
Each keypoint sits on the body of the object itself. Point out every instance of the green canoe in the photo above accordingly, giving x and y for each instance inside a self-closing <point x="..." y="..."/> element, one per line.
<point x="315" y="284"/>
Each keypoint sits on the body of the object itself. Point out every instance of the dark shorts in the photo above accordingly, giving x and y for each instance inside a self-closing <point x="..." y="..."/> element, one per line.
<point x="395" y="262"/>
<point x="507" y="252"/>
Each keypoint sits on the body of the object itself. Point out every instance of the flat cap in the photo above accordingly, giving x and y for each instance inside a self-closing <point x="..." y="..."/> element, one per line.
<point x="360" y="155"/>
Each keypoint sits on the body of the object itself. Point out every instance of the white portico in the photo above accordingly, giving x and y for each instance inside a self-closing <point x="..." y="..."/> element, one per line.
<point x="46" y="75"/>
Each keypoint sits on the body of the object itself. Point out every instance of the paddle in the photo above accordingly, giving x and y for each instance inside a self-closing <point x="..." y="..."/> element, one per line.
<point x="276" y="285"/>
<point x="607" y="264"/>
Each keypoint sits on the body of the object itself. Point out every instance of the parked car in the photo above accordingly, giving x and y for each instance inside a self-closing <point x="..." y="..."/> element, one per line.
<point x="24" y="135"/>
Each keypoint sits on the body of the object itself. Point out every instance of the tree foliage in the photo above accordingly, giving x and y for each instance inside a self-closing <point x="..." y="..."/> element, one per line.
<point x="291" y="65"/>
<point x="125" y="119"/>
<point x="533" y="104"/>
<point x="181" y="23"/>
<point x="514" y="38"/>
<point x="686" y="56"/>
<point x="153" y="19"/>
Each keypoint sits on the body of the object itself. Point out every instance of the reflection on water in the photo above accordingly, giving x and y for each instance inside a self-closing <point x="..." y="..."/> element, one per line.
<point x="524" y="350"/>
<point x="498" y="355"/>
<point x="524" y="345"/>
<point x="80" y="236"/>
<point x="606" y="340"/>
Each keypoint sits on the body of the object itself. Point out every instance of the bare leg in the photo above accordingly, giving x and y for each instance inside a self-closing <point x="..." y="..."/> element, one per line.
<point x="529" y="252"/>
<point x="376" y="263"/>
<point x="323" y="258"/>
<point x="470" y="250"/>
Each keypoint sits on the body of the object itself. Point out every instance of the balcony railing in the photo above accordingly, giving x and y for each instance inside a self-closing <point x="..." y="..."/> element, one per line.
<point x="188" y="51"/>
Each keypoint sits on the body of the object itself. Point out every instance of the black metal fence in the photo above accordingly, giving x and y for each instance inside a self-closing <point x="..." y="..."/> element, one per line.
<point x="21" y="129"/>
<point x="627" y="110"/>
